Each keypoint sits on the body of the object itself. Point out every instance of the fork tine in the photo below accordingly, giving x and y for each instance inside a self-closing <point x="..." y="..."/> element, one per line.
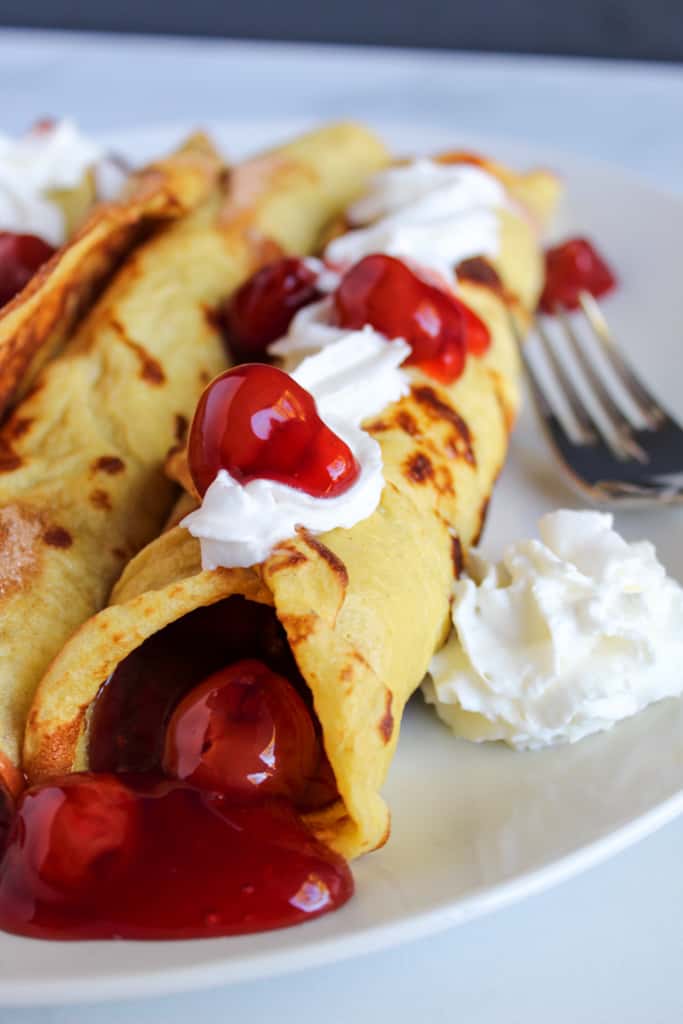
<point x="590" y="427"/>
<point x="647" y="404"/>
<point x="585" y="422"/>
<point x="618" y="421"/>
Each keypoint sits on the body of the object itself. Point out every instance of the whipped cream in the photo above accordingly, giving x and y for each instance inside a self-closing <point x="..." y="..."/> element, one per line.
<point x="353" y="378"/>
<point x="32" y="166"/>
<point x="432" y="214"/>
<point x="564" y="637"/>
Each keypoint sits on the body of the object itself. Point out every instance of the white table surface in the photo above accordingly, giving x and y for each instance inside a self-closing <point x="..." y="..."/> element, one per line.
<point x="608" y="945"/>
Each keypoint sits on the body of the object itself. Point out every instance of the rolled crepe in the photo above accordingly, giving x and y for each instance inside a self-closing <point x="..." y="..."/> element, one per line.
<point x="363" y="609"/>
<point x="82" y="486"/>
<point x="39" y="320"/>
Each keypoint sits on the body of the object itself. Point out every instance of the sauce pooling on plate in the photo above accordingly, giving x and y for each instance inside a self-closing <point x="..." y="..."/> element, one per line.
<point x="206" y="753"/>
<point x="99" y="856"/>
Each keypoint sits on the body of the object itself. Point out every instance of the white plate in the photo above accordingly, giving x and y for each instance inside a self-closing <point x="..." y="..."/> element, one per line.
<point x="474" y="828"/>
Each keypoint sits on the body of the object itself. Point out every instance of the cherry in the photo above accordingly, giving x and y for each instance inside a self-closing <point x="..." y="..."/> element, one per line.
<point x="570" y="268"/>
<point x="262" y="309"/>
<point x="255" y="421"/>
<point x="20" y="257"/>
<point x="244" y="731"/>
<point x="74" y="828"/>
<point x="386" y="293"/>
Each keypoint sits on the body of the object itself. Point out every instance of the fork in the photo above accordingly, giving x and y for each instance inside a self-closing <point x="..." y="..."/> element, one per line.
<point x="613" y="455"/>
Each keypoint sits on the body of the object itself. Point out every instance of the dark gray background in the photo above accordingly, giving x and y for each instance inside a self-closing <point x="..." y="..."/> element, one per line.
<point x="606" y="28"/>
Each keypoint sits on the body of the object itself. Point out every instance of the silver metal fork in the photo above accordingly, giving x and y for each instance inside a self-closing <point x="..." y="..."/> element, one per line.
<point x="627" y="451"/>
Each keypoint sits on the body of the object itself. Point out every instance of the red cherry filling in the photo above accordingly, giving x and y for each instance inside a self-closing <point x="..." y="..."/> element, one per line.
<point x="244" y="731"/>
<point x="387" y="294"/>
<point x="20" y="257"/>
<point x="255" y="421"/>
<point x="99" y="856"/>
<point x="262" y="309"/>
<point x="571" y="268"/>
<point x="73" y="828"/>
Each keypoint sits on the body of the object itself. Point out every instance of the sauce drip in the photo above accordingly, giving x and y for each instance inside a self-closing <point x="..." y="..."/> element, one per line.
<point x="256" y="422"/>
<point x="137" y="857"/>
<point x="571" y="268"/>
<point x="20" y="257"/>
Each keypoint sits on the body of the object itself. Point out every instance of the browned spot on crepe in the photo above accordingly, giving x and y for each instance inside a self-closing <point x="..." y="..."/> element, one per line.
<point x="19" y="426"/>
<point x="99" y="498"/>
<point x="57" y="754"/>
<point x="418" y="468"/>
<point x="285" y="557"/>
<point x="298" y="627"/>
<point x="437" y="409"/>
<point x="180" y="427"/>
<point x="406" y="422"/>
<point x="58" y="537"/>
<point x="443" y="481"/>
<point x="479" y="270"/>
<point x="456" y="556"/>
<point x="507" y="412"/>
<point x="9" y="459"/>
<point x="385" y="838"/>
<point x="361" y="660"/>
<point x="20" y="530"/>
<point x="110" y="464"/>
<point x="150" y="368"/>
<point x="386" y="722"/>
<point x="335" y="563"/>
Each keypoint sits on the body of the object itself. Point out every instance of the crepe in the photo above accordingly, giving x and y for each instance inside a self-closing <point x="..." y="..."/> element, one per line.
<point x="38" y="321"/>
<point x="363" y="609"/>
<point x="82" y="486"/>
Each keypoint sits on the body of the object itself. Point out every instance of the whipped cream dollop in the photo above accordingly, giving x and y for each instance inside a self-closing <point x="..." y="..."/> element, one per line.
<point x="351" y="379"/>
<point x="33" y="165"/>
<point x="564" y="637"/>
<point x="432" y="214"/>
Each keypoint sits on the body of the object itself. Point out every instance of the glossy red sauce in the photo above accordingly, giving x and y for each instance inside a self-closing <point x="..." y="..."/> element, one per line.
<point x="138" y="857"/>
<point x="256" y="422"/>
<point x="131" y="713"/>
<point x="388" y="294"/>
<point x="205" y="750"/>
<point x="571" y="268"/>
<point x="263" y="308"/>
<point x="20" y="257"/>
<point x="246" y="732"/>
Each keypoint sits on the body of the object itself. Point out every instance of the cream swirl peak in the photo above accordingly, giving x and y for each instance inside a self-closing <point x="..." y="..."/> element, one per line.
<point x="43" y="160"/>
<point x="432" y="214"/>
<point x="563" y="638"/>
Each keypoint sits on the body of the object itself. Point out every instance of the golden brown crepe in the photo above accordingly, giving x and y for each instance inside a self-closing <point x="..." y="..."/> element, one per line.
<point x="82" y="486"/>
<point x="364" y="609"/>
<point x="37" y="322"/>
